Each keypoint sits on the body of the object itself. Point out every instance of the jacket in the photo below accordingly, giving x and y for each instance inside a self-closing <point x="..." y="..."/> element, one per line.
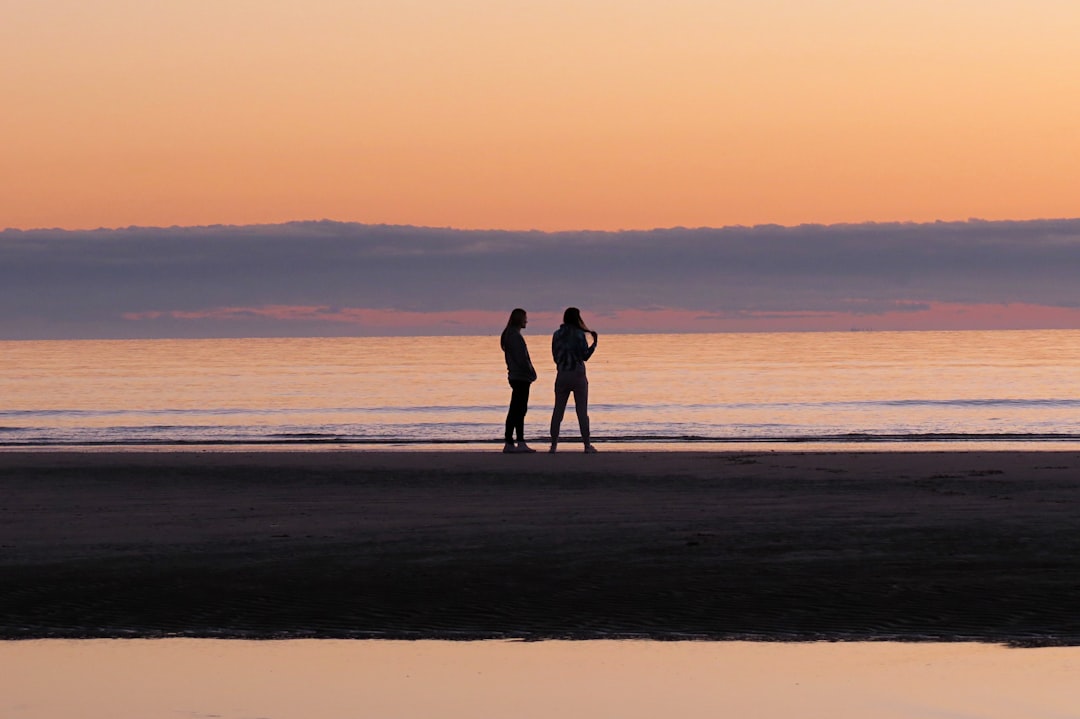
<point x="519" y="367"/>
<point x="570" y="349"/>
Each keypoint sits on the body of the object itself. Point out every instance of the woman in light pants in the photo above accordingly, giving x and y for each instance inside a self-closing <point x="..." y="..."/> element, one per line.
<point x="571" y="350"/>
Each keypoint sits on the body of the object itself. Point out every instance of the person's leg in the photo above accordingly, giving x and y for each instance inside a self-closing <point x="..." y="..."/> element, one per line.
<point x="520" y="403"/>
<point x="511" y="416"/>
<point x="508" y="434"/>
<point x="581" y="407"/>
<point x="524" y="410"/>
<point x="562" y="394"/>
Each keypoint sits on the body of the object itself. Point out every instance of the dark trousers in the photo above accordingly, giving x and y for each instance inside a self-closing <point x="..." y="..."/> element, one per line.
<point x="519" y="405"/>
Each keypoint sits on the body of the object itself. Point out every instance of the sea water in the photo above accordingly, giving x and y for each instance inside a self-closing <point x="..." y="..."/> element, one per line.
<point x="328" y="679"/>
<point x="893" y="389"/>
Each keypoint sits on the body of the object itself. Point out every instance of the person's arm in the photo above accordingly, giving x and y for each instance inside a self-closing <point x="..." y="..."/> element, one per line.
<point x="519" y="355"/>
<point x="527" y="360"/>
<point x="589" y="349"/>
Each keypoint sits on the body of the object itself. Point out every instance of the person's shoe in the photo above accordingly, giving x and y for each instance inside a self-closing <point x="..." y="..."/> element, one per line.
<point x="509" y="448"/>
<point x="589" y="449"/>
<point x="551" y="450"/>
<point x="524" y="448"/>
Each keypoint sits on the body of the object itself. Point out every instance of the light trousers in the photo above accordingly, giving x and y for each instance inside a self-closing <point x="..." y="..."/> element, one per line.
<point x="566" y="383"/>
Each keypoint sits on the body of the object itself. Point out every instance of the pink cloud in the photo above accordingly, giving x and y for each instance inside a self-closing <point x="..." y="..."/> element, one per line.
<point x="373" y="318"/>
<point x="903" y="316"/>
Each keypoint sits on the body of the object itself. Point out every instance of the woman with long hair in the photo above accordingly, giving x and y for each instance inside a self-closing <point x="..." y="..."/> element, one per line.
<point x="571" y="350"/>
<point x="520" y="373"/>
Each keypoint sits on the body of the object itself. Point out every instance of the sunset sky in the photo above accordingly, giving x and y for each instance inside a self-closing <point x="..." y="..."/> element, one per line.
<point x="557" y="116"/>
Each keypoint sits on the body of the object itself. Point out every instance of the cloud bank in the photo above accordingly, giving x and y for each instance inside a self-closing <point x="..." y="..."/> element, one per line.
<point x="330" y="278"/>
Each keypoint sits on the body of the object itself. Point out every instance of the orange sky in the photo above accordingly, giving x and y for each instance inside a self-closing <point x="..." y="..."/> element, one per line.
<point x="556" y="115"/>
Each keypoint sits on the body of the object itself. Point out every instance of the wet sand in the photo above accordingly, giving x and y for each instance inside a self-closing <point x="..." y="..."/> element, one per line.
<point x="978" y="546"/>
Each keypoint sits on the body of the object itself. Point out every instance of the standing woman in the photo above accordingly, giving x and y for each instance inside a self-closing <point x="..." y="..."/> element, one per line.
<point x="520" y="372"/>
<point x="570" y="350"/>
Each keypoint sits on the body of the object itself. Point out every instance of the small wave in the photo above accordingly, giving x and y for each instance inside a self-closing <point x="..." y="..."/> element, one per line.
<point x="314" y="438"/>
<point x="842" y="404"/>
<point x="855" y="437"/>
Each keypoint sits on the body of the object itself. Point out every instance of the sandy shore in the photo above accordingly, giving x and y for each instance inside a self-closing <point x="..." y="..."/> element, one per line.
<point x="978" y="546"/>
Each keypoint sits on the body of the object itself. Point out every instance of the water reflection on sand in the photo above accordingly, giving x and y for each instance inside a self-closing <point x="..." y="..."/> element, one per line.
<point x="324" y="679"/>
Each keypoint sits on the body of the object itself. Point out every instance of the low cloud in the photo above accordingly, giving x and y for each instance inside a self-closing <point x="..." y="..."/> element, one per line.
<point x="311" y="278"/>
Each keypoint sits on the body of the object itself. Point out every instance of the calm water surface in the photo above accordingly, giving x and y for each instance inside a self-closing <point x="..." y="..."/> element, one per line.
<point x="873" y="388"/>
<point x="324" y="679"/>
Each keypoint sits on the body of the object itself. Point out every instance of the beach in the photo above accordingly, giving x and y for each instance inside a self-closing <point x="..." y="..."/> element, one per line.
<point x="775" y="545"/>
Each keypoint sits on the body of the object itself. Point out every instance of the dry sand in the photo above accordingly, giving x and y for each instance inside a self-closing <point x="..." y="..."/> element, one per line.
<point x="949" y="546"/>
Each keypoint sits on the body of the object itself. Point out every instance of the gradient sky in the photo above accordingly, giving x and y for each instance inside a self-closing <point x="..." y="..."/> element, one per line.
<point x="562" y="116"/>
<point x="553" y="115"/>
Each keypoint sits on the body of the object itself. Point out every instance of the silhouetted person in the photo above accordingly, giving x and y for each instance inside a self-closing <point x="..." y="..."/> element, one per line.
<point x="520" y="373"/>
<point x="570" y="350"/>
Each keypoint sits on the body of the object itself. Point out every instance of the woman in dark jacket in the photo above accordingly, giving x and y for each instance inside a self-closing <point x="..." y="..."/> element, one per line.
<point x="520" y="373"/>
<point x="570" y="350"/>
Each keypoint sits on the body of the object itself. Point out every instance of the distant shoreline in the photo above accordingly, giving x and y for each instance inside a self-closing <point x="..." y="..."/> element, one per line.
<point x="776" y="546"/>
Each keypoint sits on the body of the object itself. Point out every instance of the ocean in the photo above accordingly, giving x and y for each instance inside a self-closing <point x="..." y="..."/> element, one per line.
<point x="890" y="390"/>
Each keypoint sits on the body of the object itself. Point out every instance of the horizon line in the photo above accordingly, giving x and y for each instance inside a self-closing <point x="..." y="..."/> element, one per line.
<point x="452" y="228"/>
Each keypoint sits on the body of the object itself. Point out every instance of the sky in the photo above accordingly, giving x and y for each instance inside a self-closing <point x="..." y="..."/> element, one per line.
<point x="343" y="279"/>
<point x="561" y="117"/>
